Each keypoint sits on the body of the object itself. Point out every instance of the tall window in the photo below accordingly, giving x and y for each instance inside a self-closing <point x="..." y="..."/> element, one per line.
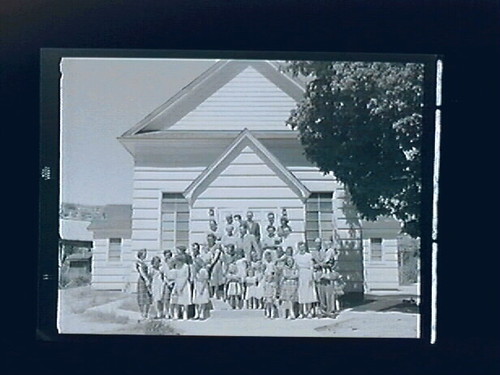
<point x="174" y="221"/>
<point x="115" y="249"/>
<point x="319" y="217"/>
<point x="376" y="249"/>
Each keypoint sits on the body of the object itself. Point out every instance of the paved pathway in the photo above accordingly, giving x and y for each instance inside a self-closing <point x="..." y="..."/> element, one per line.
<point x="225" y="321"/>
<point x="228" y="322"/>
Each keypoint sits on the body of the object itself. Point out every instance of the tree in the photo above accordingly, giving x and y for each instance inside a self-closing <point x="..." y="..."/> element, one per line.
<point x="363" y="121"/>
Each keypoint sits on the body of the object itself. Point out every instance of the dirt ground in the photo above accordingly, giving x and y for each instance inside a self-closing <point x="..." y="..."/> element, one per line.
<point x="85" y="311"/>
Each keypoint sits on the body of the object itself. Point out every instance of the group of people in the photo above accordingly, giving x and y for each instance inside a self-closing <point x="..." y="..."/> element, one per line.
<point x="246" y="271"/>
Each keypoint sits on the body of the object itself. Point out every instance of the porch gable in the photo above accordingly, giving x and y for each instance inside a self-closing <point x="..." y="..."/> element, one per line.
<point x="245" y="141"/>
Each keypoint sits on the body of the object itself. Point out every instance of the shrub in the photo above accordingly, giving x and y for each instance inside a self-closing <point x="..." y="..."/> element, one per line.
<point x="157" y="327"/>
<point x="109" y="317"/>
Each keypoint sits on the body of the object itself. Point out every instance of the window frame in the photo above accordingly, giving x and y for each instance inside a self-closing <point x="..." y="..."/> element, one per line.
<point x="318" y="199"/>
<point x="174" y="223"/>
<point x="372" y="242"/>
<point x="120" y="249"/>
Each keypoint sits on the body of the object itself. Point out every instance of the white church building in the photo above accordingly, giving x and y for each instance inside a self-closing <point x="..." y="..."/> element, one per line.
<point x="222" y="143"/>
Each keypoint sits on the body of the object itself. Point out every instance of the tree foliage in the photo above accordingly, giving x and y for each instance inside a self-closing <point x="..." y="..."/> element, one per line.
<point x="363" y="121"/>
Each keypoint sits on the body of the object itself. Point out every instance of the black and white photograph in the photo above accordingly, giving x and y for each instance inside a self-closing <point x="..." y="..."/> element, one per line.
<point x="207" y="197"/>
<point x="250" y="186"/>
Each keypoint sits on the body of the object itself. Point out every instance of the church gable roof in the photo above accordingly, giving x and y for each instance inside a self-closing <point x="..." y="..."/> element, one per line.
<point x="242" y="88"/>
<point x="244" y="141"/>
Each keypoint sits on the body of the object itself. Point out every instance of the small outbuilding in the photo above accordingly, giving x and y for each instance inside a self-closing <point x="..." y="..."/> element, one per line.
<point x="75" y="250"/>
<point x="112" y="244"/>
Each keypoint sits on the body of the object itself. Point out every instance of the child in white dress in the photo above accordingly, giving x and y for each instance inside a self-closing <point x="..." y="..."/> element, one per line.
<point x="201" y="293"/>
<point x="233" y="286"/>
<point x="259" y="289"/>
<point x="270" y="289"/>
<point x="242" y="265"/>
<point x="168" y="282"/>
<point x="157" y="286"/>
<point x="251" y="289"/>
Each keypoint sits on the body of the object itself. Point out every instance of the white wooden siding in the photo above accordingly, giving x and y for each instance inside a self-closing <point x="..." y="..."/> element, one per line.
<point x="144" y="213"/>
<point x="382" y="274"/>
<point x="149" y="184"/>
<point x="110" y="275"/>
<point x="314" y="180"/>
<point x="248" y="101"/>
<point x="248" y="192"/>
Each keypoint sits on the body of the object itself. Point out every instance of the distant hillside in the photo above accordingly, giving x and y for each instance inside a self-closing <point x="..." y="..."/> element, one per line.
<point x="73" y="211"/>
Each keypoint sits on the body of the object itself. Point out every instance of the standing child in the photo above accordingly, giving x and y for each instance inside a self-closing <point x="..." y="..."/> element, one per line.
<point x="289" y="286"/>
<point x="201" y="293"/>
<point x="233" y="286"/>
<point x="182" y="291"/>
<point x="270" y="296"/>
<point x="242" y="265"/>
<point x="338" y="288"/>
<point x="268" y="263"/>
<point x="251" y="289"/>
<point x="168" y="282"/>
<point x="259" y="288"/>
<point x="157" y="286"/>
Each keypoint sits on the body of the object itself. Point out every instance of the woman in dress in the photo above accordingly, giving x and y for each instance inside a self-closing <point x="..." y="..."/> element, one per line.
<point x="143" y="283"/>
<point x="306" y="290"/>
<point x="157" y="286"/>
<point x="289" y="286"/>
<point x="215" y="268"/>
<point x="182" y="291"/>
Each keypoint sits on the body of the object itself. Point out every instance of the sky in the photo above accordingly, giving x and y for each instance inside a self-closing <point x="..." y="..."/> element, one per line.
<point x="101" y="99"/>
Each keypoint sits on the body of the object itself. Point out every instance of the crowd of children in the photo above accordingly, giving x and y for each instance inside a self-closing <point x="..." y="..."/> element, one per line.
<point x="245" y="271"/>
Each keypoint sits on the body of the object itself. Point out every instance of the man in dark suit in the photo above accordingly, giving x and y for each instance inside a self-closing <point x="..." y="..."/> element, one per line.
<point x="252" y="237"/>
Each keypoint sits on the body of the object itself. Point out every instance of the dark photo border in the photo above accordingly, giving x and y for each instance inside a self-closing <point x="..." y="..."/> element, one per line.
<point x="465" y="32"/>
